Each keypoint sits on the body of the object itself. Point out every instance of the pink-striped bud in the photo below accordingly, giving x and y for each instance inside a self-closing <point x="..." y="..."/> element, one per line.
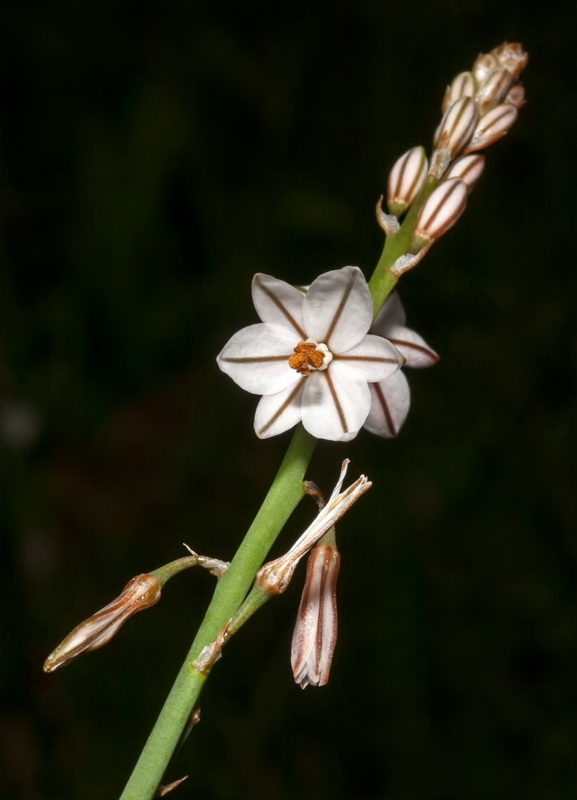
<point x="493" y="88"/>
<point x="483" y="64"/>
<point x="516" y="96"/>
<point x="492" y="126"/>
<point x="463" y="85"/>
<point x="453" y="134"/>
<point x="468" y="169"/>
<point x="316" y="627"/>
<point x="457" y="125"/>
<point x="405" y="180"/>
<point x="139" y="593"/>
<point x="440" y="212"/>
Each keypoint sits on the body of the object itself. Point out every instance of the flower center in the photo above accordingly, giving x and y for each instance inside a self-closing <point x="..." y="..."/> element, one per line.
<point x="310" y="355"/>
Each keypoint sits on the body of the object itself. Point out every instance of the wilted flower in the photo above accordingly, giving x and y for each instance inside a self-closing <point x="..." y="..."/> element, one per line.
<point x="391" y="397"/>
<point x="139" y="593"/>
<point x="274" y="576"/>
<point x="315" y="631"/>
<point x="311" y="358"/>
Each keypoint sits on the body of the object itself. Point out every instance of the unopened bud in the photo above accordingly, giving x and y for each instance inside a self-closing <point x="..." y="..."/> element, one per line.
<point x="516" y="96"/>
<point x="454" y="133"/>
<point x="463" y="85"/>
<point x="139" y="593"/>
<point x="468" y="169"/>
<point x="405" y="180"/>
<point x="316" y="627"/>
<point x="511" y="56"/>
<point x="483" y="65"/>
<point x="492" y="126"/>
<point x="440" y="212"/>
<point x="493" y="88"/>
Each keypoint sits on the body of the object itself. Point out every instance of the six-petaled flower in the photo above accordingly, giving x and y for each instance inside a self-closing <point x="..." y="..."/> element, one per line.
<point x="311" y="357"/>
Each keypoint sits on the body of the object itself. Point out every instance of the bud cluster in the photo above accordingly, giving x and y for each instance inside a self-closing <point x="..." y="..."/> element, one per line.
<point x="479" y="107"/>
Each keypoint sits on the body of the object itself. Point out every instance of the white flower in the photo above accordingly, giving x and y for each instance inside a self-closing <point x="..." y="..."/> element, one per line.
<point x="391" y="397"/>
<point x="311" y="358"/>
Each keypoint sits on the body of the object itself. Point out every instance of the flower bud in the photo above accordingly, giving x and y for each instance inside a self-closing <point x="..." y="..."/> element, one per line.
<point x="511" y="56"/>
<point x="454" y="133"/>
<point x="316" y="627"/>
<point x="516" y="96"/>
<point x="463" y="85"/>
<point x="440" y="212"/>
<point x="468" y="169"/>
<point x="457" y="125"/>
<point x="492" y="126"/>
<point x="405" y="180"/>
<point x="483" y="64"/>
<point x="139" y="593"/>
<point x="493" y="88"/>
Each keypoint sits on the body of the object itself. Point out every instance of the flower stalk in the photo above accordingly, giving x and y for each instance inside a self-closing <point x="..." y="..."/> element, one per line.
<point x="319" y="369"/>
<point x="281" y="500"/>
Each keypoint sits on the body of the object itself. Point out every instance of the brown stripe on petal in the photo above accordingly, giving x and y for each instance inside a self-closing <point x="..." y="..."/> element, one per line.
<point x="341" y="307"/>
<point x="336" y="401"/>
<point x="331" y="569"/>
<point x="371" y="359"/>
<point x="286" y="313"/>
<point x="385" y="408"/>
<point x="255" y="359"/>
<point x="283" y="407"/>
<point x="418" y="347"/>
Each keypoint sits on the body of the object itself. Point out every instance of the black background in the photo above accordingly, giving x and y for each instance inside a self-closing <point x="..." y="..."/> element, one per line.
<point x="155" y="157"/>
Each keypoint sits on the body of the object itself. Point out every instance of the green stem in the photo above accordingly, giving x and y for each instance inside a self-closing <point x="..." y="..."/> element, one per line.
<point x="281" y="500"/>
<point x="383" y="281"/>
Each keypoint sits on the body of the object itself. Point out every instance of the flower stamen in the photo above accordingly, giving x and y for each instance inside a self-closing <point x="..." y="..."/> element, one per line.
<point x="308" y="356"/>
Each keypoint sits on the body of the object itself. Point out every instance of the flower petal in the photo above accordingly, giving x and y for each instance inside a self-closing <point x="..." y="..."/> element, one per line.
<point x="276" y="413"/>
<point x="413" y="347"/>
<point x="278" y="302"/>
<point x="256" y="358"/>
<point x="390" y="313"/>
<point x="335" y="403"/>
<point x="374" y="358"/>
<point x="391" y="399"/>
<point x="338" y="309"/>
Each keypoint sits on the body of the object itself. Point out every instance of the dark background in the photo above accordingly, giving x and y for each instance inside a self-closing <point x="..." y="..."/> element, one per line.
<point x="155" y="157"/>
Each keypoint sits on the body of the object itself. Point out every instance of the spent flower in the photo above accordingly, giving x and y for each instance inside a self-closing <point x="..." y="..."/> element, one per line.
<point x="140" y="592"/>
<point x="315" y="632"/>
